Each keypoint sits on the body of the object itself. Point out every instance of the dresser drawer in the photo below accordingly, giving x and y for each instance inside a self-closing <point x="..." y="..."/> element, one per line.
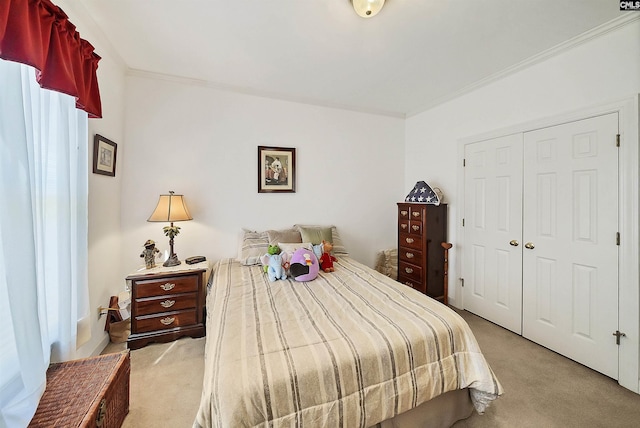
<point x="165" y="321"/>
<point x="409" y="271"/>
<point x="166" y="285"/>
<point x="157" y="304"/>
<point x="410" y="241"/>
<point x="415" y="227"/>
<point x="415" y="213"/>
<point x="403" y="225"/>
<point x="414" y="284"/>
<point x="410" y="255"/>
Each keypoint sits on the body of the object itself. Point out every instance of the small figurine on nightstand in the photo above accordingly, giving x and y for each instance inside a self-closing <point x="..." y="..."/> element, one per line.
<point x="149" y="253"/>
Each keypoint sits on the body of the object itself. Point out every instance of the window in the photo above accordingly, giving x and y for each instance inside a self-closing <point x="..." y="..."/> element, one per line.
<point x="43" y="236"/>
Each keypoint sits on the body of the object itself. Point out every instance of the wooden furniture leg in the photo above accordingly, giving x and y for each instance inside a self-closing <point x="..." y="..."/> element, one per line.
<point x="446" y="246"/>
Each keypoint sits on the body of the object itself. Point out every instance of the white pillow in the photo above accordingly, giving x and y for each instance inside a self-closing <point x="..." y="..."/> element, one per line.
<point x="252" y="246"/>
<point x="291" y="247"/>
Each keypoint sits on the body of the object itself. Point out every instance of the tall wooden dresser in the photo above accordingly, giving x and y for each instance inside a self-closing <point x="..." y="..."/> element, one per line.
<point x="422" y="228"/>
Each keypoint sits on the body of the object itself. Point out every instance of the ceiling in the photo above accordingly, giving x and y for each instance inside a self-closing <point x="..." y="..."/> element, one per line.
<point x="413" y="55"/>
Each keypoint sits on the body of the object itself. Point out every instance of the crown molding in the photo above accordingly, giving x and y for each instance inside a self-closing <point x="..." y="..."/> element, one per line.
<point x="257" y="93"/>
<point x="625" y="19"/>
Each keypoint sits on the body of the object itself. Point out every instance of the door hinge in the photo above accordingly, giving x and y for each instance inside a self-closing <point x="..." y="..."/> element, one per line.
<point x="462" y="222"/>
<point x="464" y="163"/>
<point x="617" y="140"/>
<point x="618" y="334"/>
<point x="617" y="238"/>
<point x="462" y="282"/>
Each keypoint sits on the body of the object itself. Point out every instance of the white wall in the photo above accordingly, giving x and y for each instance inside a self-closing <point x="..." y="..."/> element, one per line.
<point x="601" y="70"/>
<point x="202" y="142"/>
<point x="105" y="273"/>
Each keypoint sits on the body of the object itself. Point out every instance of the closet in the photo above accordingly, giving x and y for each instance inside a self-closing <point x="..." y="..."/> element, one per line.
<point x="541" y="237"/>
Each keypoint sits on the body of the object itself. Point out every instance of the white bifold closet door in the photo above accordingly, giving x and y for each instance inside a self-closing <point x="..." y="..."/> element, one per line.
<point x="565" y="240"/>
<point x="493" y="230"/>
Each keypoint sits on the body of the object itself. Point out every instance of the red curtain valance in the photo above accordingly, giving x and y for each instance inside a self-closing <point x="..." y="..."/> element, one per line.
<point x="38" y="33"/>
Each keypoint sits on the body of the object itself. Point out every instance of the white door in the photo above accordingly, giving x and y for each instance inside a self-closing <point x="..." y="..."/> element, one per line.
<point x="570" y="258"/>
<point x="493" y="229"/>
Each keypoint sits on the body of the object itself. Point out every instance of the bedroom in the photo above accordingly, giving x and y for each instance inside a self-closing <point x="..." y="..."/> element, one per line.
<point x="199" y="140"/>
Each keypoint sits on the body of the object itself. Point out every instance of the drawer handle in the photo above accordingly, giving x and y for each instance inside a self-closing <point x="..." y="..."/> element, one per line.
<point x="409" y="240"/>
<point x="167" y="303"/>
<point x="408" y="270"/>
<point x="404" y="226"/>
<point x="415" y="227"/>
<point x="410" y="255"/>
<point x="409" y="284"/>
<point x="168" y="286"/>
<point x="416" y="213"/>
<point x="403" y="213"/>
<point x="167" y="320"/>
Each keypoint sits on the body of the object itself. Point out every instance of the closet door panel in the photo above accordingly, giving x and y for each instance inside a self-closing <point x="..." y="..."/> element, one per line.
<point x="493" y="227"/>
<point x="570" y="259"/>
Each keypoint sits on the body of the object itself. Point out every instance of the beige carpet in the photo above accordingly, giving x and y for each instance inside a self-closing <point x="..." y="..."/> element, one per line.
<point x="542" y="388"/>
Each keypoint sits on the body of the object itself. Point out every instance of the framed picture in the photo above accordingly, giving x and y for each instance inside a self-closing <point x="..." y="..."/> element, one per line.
<point x="104" y="156"/>
<point x="276" y="169"/>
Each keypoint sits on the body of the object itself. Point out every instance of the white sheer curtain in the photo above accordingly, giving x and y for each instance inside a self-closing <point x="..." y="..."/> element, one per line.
<point x="43" y="236"/>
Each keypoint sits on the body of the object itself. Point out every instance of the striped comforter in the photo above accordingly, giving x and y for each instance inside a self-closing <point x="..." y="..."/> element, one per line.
<point x="349" y="349"/>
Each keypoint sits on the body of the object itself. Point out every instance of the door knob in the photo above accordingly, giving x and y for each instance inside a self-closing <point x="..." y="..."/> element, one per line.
<point x="514" y="243"/>
<point x="529" y="246"/>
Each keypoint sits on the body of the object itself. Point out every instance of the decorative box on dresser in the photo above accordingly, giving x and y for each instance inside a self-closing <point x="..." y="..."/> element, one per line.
<point x="422" y="228"/>
<point x="167" y="303"/>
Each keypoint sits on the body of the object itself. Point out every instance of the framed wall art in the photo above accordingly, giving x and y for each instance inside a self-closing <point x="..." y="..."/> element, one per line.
<point x="104" y="156"/>
<point x="276" y="169"/>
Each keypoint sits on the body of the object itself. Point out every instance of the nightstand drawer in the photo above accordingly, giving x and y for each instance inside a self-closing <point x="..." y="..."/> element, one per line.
<point x="166" y="285"/>
<point x="157" y="304"/>
<point x="165" y="321"/>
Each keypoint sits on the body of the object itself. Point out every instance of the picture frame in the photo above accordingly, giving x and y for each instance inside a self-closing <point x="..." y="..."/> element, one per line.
<point x="104" y="156"/>
<point x="276" y="169"/>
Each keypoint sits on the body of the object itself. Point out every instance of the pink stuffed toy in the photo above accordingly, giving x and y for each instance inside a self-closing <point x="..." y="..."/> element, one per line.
<point x="326" y="260"/>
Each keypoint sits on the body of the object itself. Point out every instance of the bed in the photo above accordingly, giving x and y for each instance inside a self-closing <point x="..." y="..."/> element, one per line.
<point x="351" y="348"/>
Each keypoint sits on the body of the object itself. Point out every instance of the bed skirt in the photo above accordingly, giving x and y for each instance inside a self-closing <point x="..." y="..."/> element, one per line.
<point x="440" y="412"/>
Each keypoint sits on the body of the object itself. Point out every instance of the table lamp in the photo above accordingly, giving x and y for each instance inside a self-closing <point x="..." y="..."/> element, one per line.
<point x="171" y="208"/>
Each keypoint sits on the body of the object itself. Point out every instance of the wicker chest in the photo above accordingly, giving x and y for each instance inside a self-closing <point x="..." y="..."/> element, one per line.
<point x="91" y="392"/>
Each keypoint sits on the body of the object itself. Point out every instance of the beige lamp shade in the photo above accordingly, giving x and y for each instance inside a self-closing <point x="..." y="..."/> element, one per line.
<point x="367" y="8"/>
<point x="170" y="208"/>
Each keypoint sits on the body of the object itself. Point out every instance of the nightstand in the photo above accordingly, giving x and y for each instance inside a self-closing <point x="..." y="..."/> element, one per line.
<point x="167" y="303"/>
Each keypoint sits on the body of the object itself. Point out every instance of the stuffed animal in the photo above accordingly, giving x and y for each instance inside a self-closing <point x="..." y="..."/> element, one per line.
<point x="304" y="265"/>
<point x="149" y="254"/>
<point x="317" y="250"/>
<point x="273" y="249"/>
<point x="275" y="264"/>
<point x="326" y="260"/>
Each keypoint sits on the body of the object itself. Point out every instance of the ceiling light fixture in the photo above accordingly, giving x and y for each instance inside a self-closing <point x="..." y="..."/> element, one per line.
<point x="367" y="8"/>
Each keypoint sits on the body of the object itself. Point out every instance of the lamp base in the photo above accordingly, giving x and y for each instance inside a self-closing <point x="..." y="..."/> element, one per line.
<point x="172" y="261"/>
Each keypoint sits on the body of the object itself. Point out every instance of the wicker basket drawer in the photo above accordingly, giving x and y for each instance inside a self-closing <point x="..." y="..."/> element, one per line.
<point x="86" y="393"/>
<point x="164" y="286"/>
<point x="158" y="304"/>
<point x="163" y="321"/>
